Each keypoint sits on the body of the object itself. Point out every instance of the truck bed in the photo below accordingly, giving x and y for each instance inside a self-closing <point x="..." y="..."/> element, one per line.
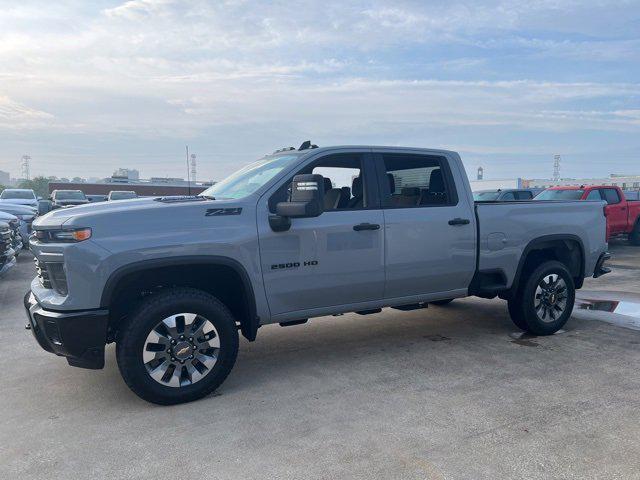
<point x="506" y="229"/>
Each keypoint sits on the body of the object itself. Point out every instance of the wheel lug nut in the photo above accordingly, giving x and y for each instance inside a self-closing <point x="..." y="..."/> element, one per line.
<point x="191" y="339"/>
<point x="173" y="342"/>
<point x="190" y="356"/>
<point x="194" y="347"/>
<point x="181" y="337"/>
<point x="173" y="359"/>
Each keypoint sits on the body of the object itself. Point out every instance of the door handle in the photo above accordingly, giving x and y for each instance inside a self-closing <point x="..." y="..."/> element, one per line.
<point x="366" y="226"/>
<point x="459" y="221"/>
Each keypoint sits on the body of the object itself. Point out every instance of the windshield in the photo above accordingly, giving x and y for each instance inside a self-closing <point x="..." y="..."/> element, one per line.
<point x="70" y="195"/>
<point x="485" y="196"/>
<point x="560" y="195"/>
<point x="122" y="195"/>
<point x="18" y="195"/>
<point x="249" y="179"/>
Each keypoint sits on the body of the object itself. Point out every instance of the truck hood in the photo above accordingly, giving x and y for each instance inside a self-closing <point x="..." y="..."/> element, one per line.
<point x="21" y="201"/>
<point x="134" y="212"/>
<point x="65" y="203"/>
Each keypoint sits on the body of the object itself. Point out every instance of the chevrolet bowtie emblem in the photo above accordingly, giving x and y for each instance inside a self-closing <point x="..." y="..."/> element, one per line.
<point x="182" y="351"/>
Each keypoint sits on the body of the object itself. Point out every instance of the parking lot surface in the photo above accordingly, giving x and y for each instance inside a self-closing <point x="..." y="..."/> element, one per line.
<point x="447" y="392"/>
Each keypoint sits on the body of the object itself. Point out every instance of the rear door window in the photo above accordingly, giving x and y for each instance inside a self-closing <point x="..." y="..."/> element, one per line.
<point x="524" y="195"/>
<point x="416" y="181"/>
<point x="611" y="195"/>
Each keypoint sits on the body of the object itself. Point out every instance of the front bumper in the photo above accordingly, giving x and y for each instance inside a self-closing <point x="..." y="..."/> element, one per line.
<point x="80" y="336"/>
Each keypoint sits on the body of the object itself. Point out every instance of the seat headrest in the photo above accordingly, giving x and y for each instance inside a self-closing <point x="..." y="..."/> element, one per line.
<point x="436" y="182"/>
<point x="392" y="182"/>
<point x="356" y="187"/>
<point x="410" y="191"/>
<point x="327" y="184"/>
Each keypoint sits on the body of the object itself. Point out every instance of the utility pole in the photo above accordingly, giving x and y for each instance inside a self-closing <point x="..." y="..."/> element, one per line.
<point x="556" y="168"/>
<point x="193" y="167"/>
<point x="188" y="176"/>
<point x="25" y="167"/>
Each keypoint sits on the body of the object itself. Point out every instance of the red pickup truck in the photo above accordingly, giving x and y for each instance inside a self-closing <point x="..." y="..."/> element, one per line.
<point x="623" y="216"/>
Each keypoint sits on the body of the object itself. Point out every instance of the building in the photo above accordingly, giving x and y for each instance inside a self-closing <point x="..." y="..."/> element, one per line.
<point x="484" y="184"/>
<point x="5" y="178"/>
<point x="128" y="173"/>
<point x="142" y="187"/>
<point x="625" y="182"/>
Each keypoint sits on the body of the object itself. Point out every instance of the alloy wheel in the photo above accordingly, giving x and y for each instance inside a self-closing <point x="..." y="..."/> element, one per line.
<point x="181" y="350"/>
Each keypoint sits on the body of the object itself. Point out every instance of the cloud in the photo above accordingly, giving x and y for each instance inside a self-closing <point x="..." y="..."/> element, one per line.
<point x="372" y="70"/>
<point x="137" y="9"/>
<point x="15" y="116"/>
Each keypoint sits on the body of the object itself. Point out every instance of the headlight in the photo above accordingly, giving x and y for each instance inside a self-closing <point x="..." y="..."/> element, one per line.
<point x="64" y="236"/>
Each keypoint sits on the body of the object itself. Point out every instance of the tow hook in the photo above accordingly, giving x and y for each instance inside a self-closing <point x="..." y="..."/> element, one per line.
<point x="27" y="326"/>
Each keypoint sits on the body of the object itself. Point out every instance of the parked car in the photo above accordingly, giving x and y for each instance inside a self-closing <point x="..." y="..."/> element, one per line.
<point x="121" y="195"/>
<point x="67" y="198"/>
<point x="96" y="198"/>
<point x="298" y="234"/>
<point x="21" y="196"/>
<point x="25" y="213"/>
<point x="7" y="253"/>
<point x="623" y="216"/>
<point x="506" y="195"/>
<point x="15" y="224"/>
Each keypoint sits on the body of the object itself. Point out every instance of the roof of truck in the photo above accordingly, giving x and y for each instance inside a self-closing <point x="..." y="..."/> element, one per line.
<point x="291" y="150"/>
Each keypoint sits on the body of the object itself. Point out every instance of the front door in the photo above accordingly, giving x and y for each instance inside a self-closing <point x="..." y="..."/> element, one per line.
<point x="429" y="234"/>
<point x="617" y="215"/>
<point x="330" y="260"/>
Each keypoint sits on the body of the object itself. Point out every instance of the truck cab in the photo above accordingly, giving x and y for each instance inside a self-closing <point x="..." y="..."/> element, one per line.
<point x="298" y="234"/>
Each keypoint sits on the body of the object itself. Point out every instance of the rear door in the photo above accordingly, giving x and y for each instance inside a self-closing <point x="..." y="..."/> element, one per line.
<point x="331" y="260"/>
<point x="430" y="234"/>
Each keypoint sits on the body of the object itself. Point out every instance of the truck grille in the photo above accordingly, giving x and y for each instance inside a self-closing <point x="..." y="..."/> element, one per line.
<point x="5" y="242"/>
<point x="42" y="273"/>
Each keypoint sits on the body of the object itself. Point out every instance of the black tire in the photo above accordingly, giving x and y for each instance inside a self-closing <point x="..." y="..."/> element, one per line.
<point x="442" y="302"/>
<point x="131" y="341"/>
<point x="555" y="311"/>
<point x="514" y="306"/>
<point x="634" y="236"/>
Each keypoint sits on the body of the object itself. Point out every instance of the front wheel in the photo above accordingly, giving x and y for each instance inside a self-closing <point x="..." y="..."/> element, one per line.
<point x="178" y="346"/>
<point x="544" y="302"/>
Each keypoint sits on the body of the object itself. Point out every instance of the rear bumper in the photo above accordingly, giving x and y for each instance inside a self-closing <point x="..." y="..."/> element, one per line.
<point x="600" y="268"/>
<point x="80" y="336"/>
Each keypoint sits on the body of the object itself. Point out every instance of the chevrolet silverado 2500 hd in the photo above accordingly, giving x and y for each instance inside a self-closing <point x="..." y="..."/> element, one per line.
<point x="298" y="234"/>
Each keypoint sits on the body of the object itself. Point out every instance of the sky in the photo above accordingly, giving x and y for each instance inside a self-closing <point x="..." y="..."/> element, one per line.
<point x="87" y="87"/>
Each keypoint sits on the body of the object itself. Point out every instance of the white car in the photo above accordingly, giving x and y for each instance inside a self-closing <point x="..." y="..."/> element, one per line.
<point x="20" y="196"/>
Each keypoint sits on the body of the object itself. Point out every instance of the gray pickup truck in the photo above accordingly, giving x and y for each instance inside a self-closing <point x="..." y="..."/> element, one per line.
<point x="298" y="234"/>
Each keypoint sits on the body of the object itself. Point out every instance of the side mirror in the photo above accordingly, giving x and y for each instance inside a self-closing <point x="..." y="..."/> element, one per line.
<point x="307" y="200"/>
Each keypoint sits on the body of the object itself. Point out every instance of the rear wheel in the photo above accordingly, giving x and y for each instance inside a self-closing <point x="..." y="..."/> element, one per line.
<point x="634" y="236"/>
<point x="178" y="346"/>
<point x="545" y="300"/>
<point x="442" y="302"/>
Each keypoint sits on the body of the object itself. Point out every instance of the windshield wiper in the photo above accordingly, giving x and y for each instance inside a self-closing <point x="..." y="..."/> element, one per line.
<point x="208" y="197"/>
